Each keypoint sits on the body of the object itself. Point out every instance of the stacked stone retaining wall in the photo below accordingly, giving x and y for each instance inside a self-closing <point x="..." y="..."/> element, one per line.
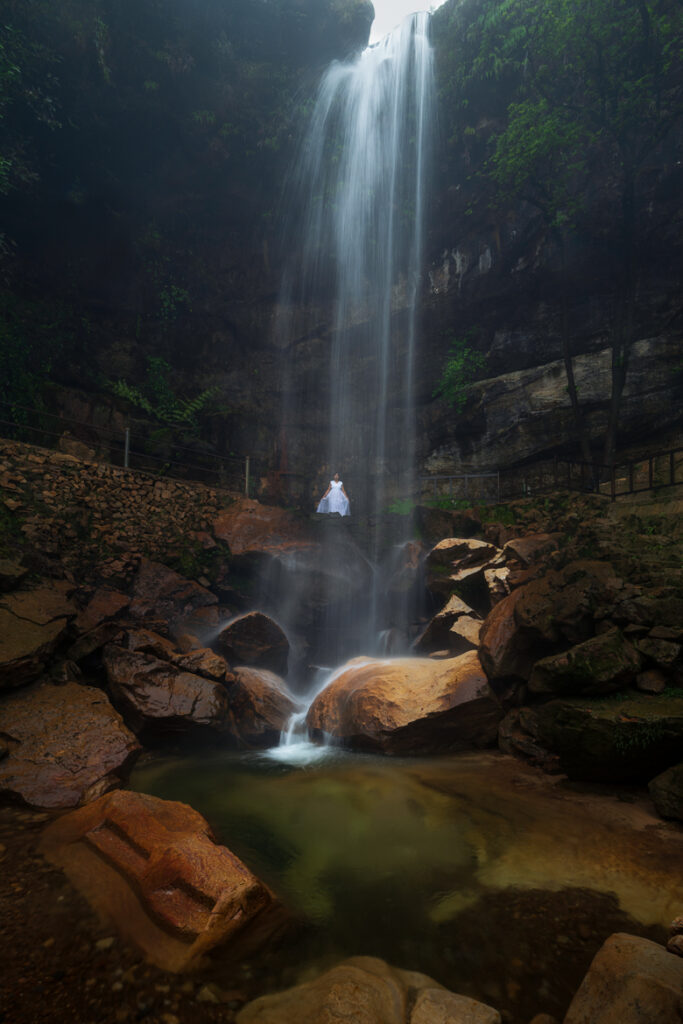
<point x="94" y="515"/>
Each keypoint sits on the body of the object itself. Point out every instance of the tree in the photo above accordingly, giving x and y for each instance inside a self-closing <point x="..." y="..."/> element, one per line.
<point x="597" y="90"/>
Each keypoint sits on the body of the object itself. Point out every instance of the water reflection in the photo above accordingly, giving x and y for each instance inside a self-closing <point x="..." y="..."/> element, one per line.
<point x="498" y="881"/>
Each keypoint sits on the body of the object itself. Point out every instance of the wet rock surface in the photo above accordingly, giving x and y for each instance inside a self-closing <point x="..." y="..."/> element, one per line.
<point x="32" y="622"/>
<point x="630" y="981"/>
<point x="408" y="705"/>
<point x="65" y="743"/>
<point x="153" y="867"/>
<point x="159" y="592"/>
<point x="368" y="990"/>
<point x="158" y="696"/>
<point x="260" y="706"/>
<point x="255" y="640"/>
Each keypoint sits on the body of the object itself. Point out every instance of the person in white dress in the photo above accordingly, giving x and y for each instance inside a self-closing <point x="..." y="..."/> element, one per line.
<point x="335" y="498"/>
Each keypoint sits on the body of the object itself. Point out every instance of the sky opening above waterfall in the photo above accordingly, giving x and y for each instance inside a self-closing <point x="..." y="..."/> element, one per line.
<point x="390" y="13"/>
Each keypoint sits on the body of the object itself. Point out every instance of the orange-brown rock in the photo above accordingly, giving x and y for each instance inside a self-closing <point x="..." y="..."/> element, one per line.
<point x="503" y="650"/>
<point x="153" y="868"/>
<point x="156" y="696"/>
<point x="161" y="593"/>
<point x="203" y="662"/>
<point x="63" y="741"/>
<point x="260" y="706"/>
<point x="630" y="981"/>
<point x="366" y="990"/>
<point x="532" y="548"/>
<point x="408" y="705"/>
<point x="104" y="604"/>
<point x="32" y="622"/>
<point x="248" y="526"/>
<point x="455" y="628"/>
<point x="254" y="640"/>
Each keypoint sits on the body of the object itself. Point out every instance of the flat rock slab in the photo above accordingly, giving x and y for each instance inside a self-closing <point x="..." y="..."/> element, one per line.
<point x="247" y="526"/>
<point x="153" y="868"/>
<point x="65" y="743"/>
<point x="408" y="705"/>
<point x="105" y="604"/>
<point x="366" y="990"/>
<point x="630" y="981"/>
<point x="604" y="664"/>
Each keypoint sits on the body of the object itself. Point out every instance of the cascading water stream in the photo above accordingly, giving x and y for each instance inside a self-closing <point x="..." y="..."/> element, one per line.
<point x="355" y="226"/>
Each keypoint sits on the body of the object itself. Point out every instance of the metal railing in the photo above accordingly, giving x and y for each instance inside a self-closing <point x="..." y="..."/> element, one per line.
<point x="163" y="456"/>
<point x="480" y="487"/>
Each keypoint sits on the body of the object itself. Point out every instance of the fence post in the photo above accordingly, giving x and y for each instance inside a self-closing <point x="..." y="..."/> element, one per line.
<point x="672" y="469"/>
<point x="650" y="474"/>
<point x="126" y="450"/>
<point x="614" y="482"/>
<point x="247" y="471"/>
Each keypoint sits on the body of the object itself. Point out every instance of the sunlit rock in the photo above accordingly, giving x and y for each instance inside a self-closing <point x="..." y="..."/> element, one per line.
<point x="255" y="640"/>
<point x="455" y="628"/>
<point x="367" y="990"/>
<point x="630" y="981"/>
<point x="247" y="526"/>
<point x="154" y="868"/>
<point x="532" y="548"/>
<point x="408" y="705"/>
<point x="260" y="706"/>
<point x="62" y="742"/>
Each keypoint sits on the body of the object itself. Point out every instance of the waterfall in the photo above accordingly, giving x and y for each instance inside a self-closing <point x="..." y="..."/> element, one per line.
<point x="353" y="227"/>
<point x="355" y="224"/>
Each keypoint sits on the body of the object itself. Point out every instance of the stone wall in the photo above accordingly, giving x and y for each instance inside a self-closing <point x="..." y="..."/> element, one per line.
<point x="101" y="519"/>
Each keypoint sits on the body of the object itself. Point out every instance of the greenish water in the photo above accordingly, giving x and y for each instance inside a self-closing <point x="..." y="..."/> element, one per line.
<point x="499" y="882"/>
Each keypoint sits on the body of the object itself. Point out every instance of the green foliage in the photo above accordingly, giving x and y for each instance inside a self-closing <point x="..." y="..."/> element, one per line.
<point x="158" y="398"/>
<point x="462" y="367"/>
<point x="401" y="507"/>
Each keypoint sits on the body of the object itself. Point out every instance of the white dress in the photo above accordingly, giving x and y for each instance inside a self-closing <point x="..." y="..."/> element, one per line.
<point x="336" y="500"/>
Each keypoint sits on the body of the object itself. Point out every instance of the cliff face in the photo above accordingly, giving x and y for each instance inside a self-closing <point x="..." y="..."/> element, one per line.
<point x="144" y="222"/>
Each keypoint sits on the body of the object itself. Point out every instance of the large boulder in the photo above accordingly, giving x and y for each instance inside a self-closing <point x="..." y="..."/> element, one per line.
<point x="553" y="612"/>
<point x="436" y="523"/>
<point x="254" y="640"/>
<point x="157" y="696"/>
<point x="260" y="706"/>
<point x="630" y="981"/>
<point x="604" y="664"/>
<point x="66" y="745"/>
<point x="161" y="593"/>
<point x="623" y="738"/>
<point x="32" y="623"/>
<point x="365" y="990"/>
<point x="154" y="868"/>
<point x="408" y="705"/>
<point x="666" y="791"/>
<point x="105" y="604"/>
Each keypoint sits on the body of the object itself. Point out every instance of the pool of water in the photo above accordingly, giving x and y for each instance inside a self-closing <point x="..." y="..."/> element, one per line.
<point x="496" y="880"/>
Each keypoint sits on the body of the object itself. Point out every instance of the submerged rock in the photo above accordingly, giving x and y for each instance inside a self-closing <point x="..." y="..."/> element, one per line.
<point x="255" y="640"/>
<point x="408" y="705"/>
<point x="64" y="744"/>
<point x="154" y="868"/>
<point x="367" y="990"/>
<point x="630" y="981"/>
